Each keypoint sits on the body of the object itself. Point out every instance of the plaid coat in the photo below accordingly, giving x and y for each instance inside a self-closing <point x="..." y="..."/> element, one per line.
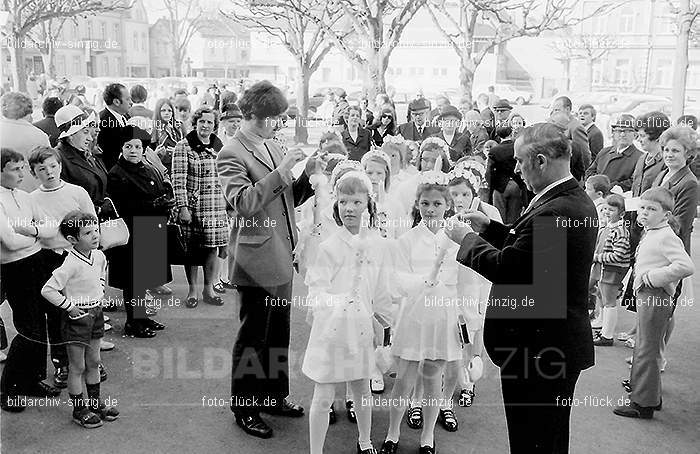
<point x="196" y="186"/>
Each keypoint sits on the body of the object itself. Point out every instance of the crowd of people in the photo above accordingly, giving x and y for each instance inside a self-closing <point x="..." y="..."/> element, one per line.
<point x="381" y="224"/>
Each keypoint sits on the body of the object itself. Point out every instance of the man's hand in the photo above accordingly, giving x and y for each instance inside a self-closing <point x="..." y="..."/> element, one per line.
<point x="456" y="229"/>
<point x="316" y="163"/>
<point x="75" y="312"/>
<point x="291" y="158"/>
<point x="476" y="219"/>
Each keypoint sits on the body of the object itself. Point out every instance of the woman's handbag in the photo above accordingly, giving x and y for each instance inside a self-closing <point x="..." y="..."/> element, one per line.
<point x="113" y="232"/>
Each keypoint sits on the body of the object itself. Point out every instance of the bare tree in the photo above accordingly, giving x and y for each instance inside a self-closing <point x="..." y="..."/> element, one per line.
<point x="25" y="15"/>
<point x="378" y="26"/>
<point x="289" y="22"/>
<point x="508" y="19"/>
<point x="184" y="18"/>
<point x="44" y="37"/>
<point x="686" y="12"/>
<point x="591" y="48"/>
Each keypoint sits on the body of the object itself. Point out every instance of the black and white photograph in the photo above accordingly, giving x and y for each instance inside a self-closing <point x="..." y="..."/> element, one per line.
<point x="349" y="226"/>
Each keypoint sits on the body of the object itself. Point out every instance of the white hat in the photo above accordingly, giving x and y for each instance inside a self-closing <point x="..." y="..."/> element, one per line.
<point x="71" y="119"/>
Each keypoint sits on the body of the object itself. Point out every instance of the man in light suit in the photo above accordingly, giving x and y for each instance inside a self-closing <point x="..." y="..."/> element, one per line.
<point x="537" y="329"/>
<point x="257" y="182"/>
<point x="576" y="130"/>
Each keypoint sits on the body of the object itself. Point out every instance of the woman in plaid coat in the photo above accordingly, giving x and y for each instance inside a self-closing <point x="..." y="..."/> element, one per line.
<point x="200" y="202"/>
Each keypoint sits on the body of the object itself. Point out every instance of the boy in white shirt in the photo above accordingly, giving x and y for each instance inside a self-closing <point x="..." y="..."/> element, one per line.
<point x="77" y="286"/>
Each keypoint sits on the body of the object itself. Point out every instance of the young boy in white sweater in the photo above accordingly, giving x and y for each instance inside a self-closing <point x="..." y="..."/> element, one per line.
<point x="661" y="262"/>
<point x="77" y="287"/>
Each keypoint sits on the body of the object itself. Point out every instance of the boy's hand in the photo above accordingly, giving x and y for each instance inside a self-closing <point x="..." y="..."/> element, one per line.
<point x="76" y="312"/>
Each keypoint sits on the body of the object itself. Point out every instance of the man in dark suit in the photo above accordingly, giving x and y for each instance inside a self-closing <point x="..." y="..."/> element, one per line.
<point x="448" y="121"/>
<point x="587" y="114"/>
<point x="418" y="128"/>
<point x="537" y="329"/>
<point x="114" y="116"/>
<point x="618" y="162"/>
<point x="579" y="162"/>
<point x="48" y="123"/>
<point x="505" y="185"/>
<point x="139" y="95"/>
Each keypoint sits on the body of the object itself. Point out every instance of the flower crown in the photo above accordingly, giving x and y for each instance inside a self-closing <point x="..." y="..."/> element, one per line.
<point x="472" y="171"/>
<point x="376" y="153"/>
<point x="344" y="165"/>
<point x="436" y="141"/>
<point x="360" y="176"/>
<point x="434" y="177"/>
<point x="397" y="139"/>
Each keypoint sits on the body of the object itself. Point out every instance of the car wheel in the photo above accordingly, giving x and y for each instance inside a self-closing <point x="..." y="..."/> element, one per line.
<point x="520" y="100"/>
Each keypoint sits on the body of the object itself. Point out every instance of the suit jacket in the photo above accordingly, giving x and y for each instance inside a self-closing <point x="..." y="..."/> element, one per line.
<point x="501" y="166"/>
<point x="619" y="167"/>
<point x="578" y="163"/>
<point x="410" y="132"/>
<point x="140" y="111"/>
<point x="107" y="138"/>
<point x="578" y="134"/>
<point x="356" y="148"/>
<point x="478" y="138"/>
<point x="684" y="187"/>
<point x="645" y="173"/>
<point x="460" y="146"/>
<point x="48" y="125"/>
<point x="595" y="140"/>
<point x="77" y="170"/>
<point x="264" y="233"/>
<point x="547" y="263"/>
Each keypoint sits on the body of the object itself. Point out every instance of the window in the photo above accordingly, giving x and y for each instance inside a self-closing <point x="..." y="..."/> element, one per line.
<point x="143" y="41"/>
<point x="598" y="73"/>
<point x="663" y="73"/>
<point x="136" y="41"/>
<point x="421" y="71"/>
<point x="626" y="24"/>
<point x="103" y="30"/>
<point x="599" y="25"/>
<point x="443" y="72"/>
<point x="244" y="55"/>
<point x="61" y="64"/>
<point x="105" y="66"/>
<point x="411" y="71"/>
<point x="77" y="66"/>
<point x="436" y="71"/>
<point x="118" y="66"/>
<point x="89" y="30"/>
<point x="622" y="72"/>
<point x="117" y="32"/>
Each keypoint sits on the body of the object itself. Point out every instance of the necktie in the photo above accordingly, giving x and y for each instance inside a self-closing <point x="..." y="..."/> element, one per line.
<point x="90" y="159"/>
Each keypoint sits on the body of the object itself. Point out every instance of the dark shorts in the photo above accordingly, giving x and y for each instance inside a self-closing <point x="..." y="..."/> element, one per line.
<point x="612" y="276"/>
<point x="83" y="330"/>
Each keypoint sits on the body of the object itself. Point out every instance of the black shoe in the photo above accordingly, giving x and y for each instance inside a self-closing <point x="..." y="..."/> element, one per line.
<point x="213" y="300"/>
<point x="138" y="330"/>
<point x="154" y="325"/>
<point x="227" y="284"/>
<point x="448" y="420"/>
<point x="10" y="403"/>
<point x="633" y="410"/>
<point x="602" y="341"/>
<point x="414" y="417"/>
<point x="332" y="418"/>
<point x="252" y="424"/>
<point x="219" y="288"/>
<point x="658" y="407"/>
<point x="191" y="303"/>
<point x="427" y="449"/>
<point x="60" y="377"/>
<point x="103" y="373"/>
<point x="369" y="450"/>
<point x="389" y="447"/>
<point x="286" y="408"/>
<point x="40" y="389"/>
<point x="350" y="409"/>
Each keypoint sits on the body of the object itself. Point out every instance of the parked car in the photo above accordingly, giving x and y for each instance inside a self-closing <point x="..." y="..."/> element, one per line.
<point x="316" y="98"/>
<point x="505" y="91"/>
<point x="628" y="102"/>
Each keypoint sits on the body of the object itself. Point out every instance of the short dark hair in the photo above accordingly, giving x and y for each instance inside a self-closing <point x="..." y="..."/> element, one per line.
<point x="600" y="183"/>
<point x="201" y="111"/>
<point x="617" y="201"/>
<point x="9" y="155"/>
<point x="504" y="131"/>
<point x="182" y="104"/>
<point x="690" y="120"/>
<point x="566" y="102"/>
<point x="262" y="100"/>
<point x="41" y="154"/>
<point x="51" y="105"/>
<point x="545" y="139"/>
<point x="74" y="221"/>
<point x="589" y="107"/>
<point x="139" y="94"/>
<point x="112" y="92"/>
<point x="653" y="124"/>
<point x="228" y="97"/>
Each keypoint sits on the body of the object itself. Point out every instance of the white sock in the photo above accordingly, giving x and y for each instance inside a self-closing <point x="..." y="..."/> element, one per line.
<point x="318" y="416"/>
<point x="363" y="409"/>
<point x="609" y="322"/>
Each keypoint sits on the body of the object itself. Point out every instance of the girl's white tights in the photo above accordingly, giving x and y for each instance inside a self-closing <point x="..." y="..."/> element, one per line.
<point x="431" y="378"/>
<point x="324" y="394"/>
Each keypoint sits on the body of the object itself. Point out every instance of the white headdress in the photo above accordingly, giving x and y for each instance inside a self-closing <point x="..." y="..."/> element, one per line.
<point x="472" y="171"/>
<point x="435" y="141"/>
<point x="398" y="139"/>
<point x="344" y="165"/>
<point x="357" y="175"/>
<point x="376" y="154"/>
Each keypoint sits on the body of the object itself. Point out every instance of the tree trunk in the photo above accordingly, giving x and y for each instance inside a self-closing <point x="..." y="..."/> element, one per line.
<point x="680" y="64"/>
<point x="376" y="69"/>
<point x="301" y="132"/>
<point x="19" y="76"/>
<point x="466" y="80"/>
<point x="49" y="61"/>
